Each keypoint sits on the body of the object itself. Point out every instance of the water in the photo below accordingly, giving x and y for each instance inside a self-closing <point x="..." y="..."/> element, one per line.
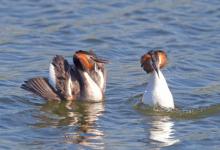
<point x="32" y="32"/>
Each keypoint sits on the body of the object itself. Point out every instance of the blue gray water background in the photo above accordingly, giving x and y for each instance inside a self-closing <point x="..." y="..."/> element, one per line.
<point x="33" y="31"/>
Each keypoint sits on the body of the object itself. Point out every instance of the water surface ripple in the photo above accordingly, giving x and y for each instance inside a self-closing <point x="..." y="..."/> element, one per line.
<point x="33" y="31"/>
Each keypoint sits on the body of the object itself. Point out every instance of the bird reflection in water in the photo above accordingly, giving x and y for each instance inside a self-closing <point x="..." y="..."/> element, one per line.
<point x="79" y="118"/>
<point x="162" y="131"/>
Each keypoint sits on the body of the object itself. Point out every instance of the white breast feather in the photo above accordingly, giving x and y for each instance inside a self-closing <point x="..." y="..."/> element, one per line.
<point x="158" y="92"/>
<point x="94" y="91"/>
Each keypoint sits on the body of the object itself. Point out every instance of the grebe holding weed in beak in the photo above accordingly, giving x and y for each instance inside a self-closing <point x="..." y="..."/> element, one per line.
<point x="84" y="80"/>
<point x="157" y="92"/>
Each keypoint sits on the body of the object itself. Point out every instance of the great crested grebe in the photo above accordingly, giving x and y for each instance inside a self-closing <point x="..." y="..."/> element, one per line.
<point x="157" y="92"/>
<point x="84" y="80"/>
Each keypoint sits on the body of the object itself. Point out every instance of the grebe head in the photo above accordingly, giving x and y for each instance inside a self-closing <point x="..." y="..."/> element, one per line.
<point x="87" y="61"/>
<point x="153" y="61"/>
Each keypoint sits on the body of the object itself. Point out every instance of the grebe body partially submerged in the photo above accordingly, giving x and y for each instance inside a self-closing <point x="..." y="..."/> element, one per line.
<point x="84" y="80"/>
<point x="157" y="92"/>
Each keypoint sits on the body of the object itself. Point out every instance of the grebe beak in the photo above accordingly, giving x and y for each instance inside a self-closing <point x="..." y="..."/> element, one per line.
<point x="155" y="64"/>
<point x="99" y="60"/>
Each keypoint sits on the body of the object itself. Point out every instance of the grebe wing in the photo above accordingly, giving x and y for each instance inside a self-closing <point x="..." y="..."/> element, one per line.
<point x="41" y="86"/>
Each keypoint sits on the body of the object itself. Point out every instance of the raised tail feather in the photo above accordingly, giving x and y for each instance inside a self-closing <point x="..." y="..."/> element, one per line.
<point x="41" y="87"/>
